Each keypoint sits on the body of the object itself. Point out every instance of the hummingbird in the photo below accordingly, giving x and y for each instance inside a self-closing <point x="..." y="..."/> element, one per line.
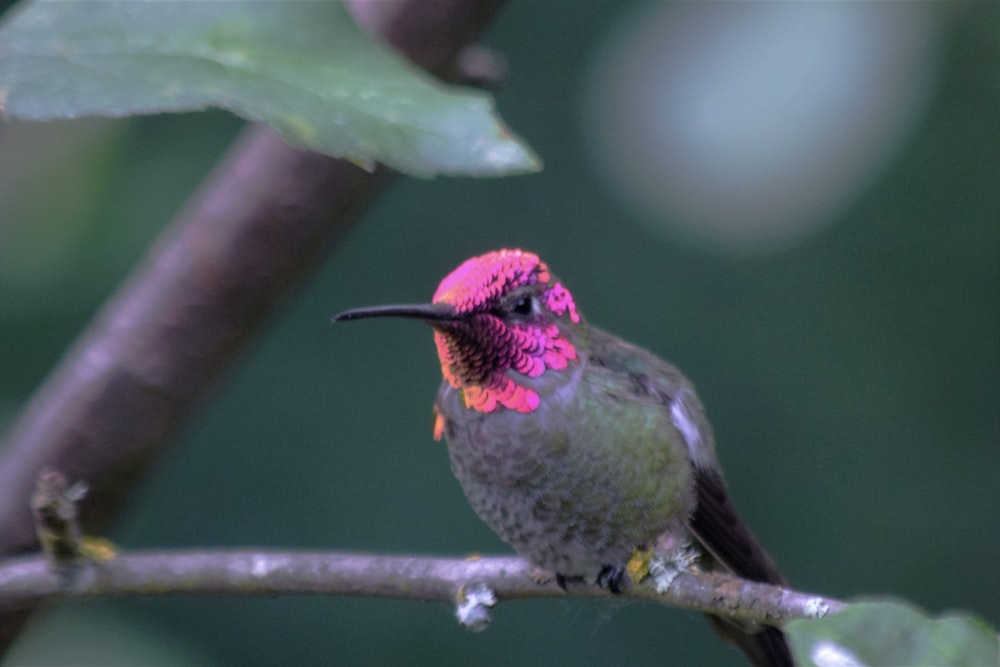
<point x="576" y="447"/>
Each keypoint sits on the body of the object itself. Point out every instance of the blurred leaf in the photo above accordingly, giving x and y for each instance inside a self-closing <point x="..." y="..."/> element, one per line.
<point x="892" y="633"/>
<point x="303" y="67"/>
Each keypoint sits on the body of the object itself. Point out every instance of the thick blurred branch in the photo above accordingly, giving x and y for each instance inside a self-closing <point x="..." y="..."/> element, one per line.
<point x="31" y="580"/>
<point x="266" y="216"/>
<point x="263" y="221"/>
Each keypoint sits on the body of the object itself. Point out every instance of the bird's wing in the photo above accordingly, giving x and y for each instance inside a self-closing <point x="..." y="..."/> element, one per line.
<point x="721" y="531"/>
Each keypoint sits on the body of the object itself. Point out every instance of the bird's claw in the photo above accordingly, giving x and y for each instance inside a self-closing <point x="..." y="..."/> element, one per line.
<point x="614" y="578"/>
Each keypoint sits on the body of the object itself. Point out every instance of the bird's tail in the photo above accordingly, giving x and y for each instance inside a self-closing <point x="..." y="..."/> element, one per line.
<point x="730" y="543"/>
<point x="766" y="647"/>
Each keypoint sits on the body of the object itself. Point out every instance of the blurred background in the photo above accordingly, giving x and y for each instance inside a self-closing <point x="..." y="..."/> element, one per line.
<point x="799" y="205"/>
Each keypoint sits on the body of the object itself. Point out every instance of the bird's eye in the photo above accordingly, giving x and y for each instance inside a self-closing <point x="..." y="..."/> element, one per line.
<point x="523" y="306"/>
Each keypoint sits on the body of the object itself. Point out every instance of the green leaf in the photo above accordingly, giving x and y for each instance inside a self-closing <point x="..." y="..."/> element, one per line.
<point x="892" y="633"/>
<point x="303" y="67"/>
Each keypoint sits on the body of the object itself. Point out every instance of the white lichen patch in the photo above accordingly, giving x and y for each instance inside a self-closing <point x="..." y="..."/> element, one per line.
<point x="816" y="608"/>
<point x="473" y="608"/>
<point x="664" y="567"/>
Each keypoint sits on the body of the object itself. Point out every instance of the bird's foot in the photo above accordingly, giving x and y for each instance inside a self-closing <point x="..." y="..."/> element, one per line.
<point x="614" y="578"/>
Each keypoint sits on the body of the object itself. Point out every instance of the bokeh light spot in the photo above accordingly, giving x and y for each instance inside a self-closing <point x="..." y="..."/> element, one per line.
<point x="747" y="126"/>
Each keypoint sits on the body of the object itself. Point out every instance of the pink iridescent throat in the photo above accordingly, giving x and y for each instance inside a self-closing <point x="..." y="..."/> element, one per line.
<point x="478" y="349"/>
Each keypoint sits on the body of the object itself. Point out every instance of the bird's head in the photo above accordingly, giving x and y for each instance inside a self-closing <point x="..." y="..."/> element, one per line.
<point x="497" y="318"/>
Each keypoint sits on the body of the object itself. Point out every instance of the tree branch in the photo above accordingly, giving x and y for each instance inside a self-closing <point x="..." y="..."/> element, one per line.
<point x="29" y="581"/>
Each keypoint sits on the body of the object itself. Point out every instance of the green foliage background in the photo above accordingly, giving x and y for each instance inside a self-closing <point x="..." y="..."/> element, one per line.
<point x="853" y="381"/>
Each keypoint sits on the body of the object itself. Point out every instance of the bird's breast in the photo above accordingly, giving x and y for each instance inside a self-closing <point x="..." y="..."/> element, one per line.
<point x="575" y="484"/>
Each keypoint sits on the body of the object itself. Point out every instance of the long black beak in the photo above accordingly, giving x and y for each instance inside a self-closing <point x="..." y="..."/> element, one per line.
<point x="429" y="312"/>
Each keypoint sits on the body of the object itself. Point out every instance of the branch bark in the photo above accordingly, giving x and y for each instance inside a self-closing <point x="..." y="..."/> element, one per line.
<point x="32" y="580"/>
<point x="264" y="220"/>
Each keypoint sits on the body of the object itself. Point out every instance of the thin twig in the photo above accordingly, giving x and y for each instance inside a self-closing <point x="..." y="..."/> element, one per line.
<point x="29" y="581"/>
